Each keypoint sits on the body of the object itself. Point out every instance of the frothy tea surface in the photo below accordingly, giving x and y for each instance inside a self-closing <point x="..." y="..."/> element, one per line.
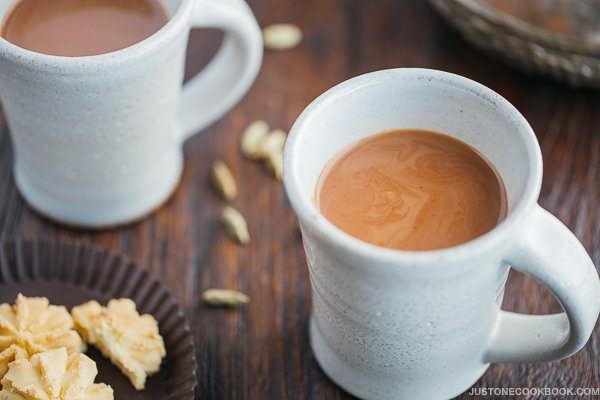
<point x="82" y="27"/>
<point x="411" y="190"/>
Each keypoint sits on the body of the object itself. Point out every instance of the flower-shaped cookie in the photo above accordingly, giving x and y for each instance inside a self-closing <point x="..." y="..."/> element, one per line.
<point x="54" y="375"/>
<point x="130" y="340"/>
<point x="31" y="326"/>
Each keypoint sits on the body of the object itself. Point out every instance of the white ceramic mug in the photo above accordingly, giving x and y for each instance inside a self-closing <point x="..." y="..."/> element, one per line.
<point x="98" y="140"/>
<point x="389" y="324"/>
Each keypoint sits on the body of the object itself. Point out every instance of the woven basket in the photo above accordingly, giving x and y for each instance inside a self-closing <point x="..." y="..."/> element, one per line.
<point x="569" y="54"/>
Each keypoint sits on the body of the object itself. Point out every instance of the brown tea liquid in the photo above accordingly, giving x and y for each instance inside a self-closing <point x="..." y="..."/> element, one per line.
<point x="412" y="190"/>
<point x="82" y="27"/>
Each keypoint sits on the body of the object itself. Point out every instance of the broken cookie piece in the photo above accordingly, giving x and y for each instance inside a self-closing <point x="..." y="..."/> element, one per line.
<point x="55" y="375"/>
<point x="130" y="340"/>
<point x="32" y="326"/>
<point x="10" y="354"/>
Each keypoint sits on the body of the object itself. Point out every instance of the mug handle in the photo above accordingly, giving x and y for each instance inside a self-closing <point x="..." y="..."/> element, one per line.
<point x="222" y="83"/>
<point x="550" y="253"/>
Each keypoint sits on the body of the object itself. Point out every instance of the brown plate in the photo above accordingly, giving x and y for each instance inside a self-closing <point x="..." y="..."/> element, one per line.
<point x="70" y="274"/>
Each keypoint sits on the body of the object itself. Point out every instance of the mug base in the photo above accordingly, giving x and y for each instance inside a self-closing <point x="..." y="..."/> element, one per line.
<point x="363" y="387"/>
<point x="91" y="222"/>
<point x="81" y="227"/>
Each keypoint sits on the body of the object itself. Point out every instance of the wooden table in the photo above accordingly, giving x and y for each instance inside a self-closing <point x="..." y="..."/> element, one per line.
<point x="262" y="351"/>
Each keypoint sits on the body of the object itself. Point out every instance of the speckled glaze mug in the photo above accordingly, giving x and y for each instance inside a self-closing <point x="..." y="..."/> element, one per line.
<point x="98" y="140"/>
<point x="389" y="324"/>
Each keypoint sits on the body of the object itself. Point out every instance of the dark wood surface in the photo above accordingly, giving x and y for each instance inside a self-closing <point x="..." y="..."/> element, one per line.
<point x="262" y="351"/>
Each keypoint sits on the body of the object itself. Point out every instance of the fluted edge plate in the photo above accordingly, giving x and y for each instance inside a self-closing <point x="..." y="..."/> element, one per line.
<point x="72" y="273"/>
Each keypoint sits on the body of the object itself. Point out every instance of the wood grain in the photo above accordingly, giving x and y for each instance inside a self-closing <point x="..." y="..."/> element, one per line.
<point x="261" y="351"/>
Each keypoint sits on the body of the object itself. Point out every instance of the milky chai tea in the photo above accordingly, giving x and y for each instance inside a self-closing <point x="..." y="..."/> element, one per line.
<point x="412" y="190"/>
<point x="82" y="27"/>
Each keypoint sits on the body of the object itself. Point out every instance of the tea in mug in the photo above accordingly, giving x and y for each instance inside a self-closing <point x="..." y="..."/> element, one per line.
<point x="82" y="27"/>
<point x="412" y="190"/>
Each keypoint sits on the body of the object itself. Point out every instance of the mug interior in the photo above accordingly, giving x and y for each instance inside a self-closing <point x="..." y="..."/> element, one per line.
<point x="412" y="99"/>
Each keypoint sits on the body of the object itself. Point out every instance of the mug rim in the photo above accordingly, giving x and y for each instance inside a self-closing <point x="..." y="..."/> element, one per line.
<point x="311" y="218"/>
<point x="67" y="64"/>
